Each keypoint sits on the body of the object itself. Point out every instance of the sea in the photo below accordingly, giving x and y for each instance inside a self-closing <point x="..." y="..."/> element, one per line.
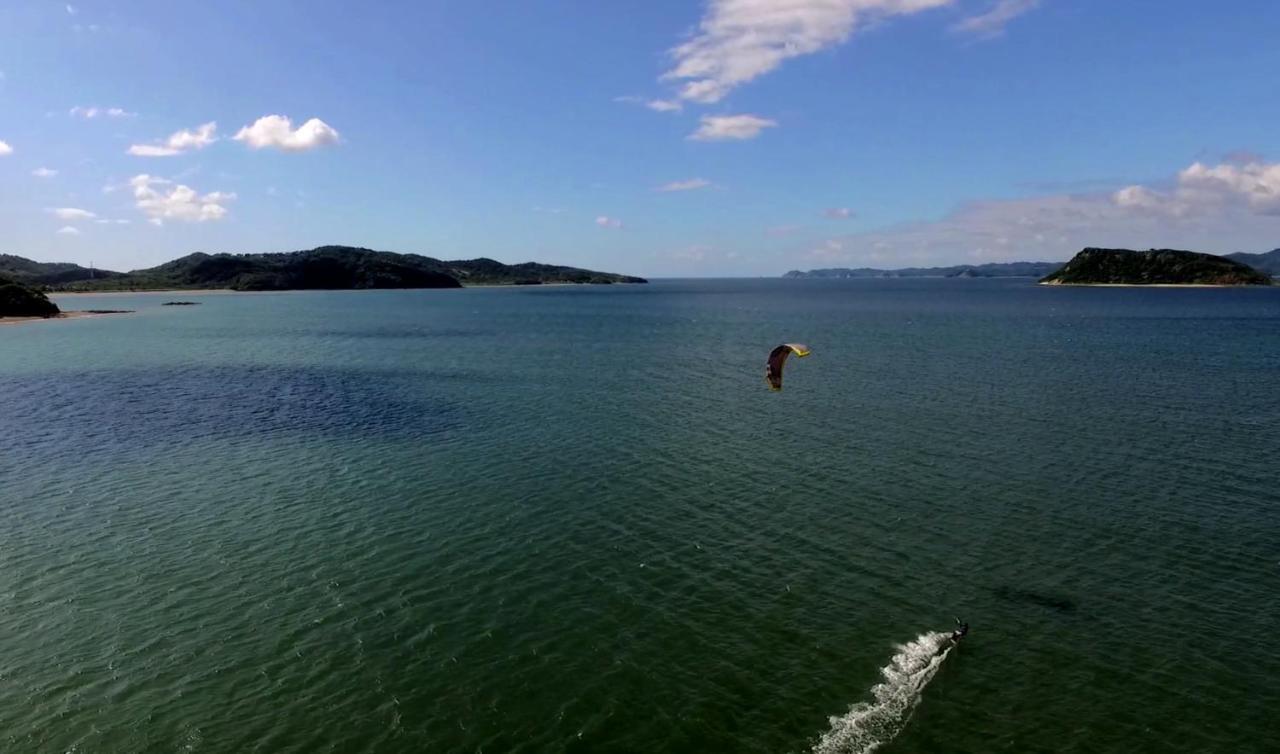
<point x="575" y="519"/>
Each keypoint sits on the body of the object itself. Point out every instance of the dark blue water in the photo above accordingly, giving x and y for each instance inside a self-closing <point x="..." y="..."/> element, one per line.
<point x="575" y="519"/>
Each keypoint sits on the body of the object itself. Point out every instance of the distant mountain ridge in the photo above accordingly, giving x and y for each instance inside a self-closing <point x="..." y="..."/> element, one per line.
<point x="1094" y="266"/>
<point x="1268" y="262"/>
<point x="325" y="267"/>
<point x="990" y="270"/>
<point x="30" y="272"/>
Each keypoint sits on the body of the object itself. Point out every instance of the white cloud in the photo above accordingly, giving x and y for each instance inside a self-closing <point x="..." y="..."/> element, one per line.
<point x="657" y="105"/>
<point x="731" y="127"/>
<point x="992" y="22"/>
<point x="91" y="112"/>
<point x="1253" y="186"/>
<point x="72" y="213"/>
<point x="106" y="221"/>
<point x="162" y="200"/>
<point x="1218" y="209"/>
<point x="71" y="10"/>
<point x="1137" y="197"/>
<point x="44" y="173"/>
<point x="277" y="131"/>
<point x="68" y="230"/>
<point x="5" y="149"/>
<point x="740" y="40"/>
<point x="608" y="222"/>
<point x="177" y="143"/>
<point x="838" y="213"/>
<point x="690" y="185"/>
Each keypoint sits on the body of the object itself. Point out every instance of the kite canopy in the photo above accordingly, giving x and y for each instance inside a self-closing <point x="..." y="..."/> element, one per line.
<point x="778" y="357"/>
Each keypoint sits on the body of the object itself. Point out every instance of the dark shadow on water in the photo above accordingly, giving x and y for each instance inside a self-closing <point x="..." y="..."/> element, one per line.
<point x="1041" y="599"/>
<point x="95" y="411"/>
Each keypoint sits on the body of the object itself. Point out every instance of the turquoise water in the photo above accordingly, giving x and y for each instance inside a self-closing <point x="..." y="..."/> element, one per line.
<point x="575" y="519"/>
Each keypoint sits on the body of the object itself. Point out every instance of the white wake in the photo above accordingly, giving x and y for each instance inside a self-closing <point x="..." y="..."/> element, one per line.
<point x="869" y="725"/>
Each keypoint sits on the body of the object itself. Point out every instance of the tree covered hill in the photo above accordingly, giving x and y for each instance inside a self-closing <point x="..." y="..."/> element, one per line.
<point x="1155" y="267"/>
<point x="17" y="300"/>
<point x="30" y="272"/>
<point x="335" y="268"/>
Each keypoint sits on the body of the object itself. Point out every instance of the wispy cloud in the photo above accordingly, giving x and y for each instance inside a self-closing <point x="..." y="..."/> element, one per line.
<point x="1202" y="207"/>
<point x="93" y="111"/>
<point x="778" y="231"/>
<point x="740" y="40"/>
<point x="664" y="105"/>
<point x="182" y="141"/>
<point x="731" y="127"/>
<point x="691" y="184"/>
<point x="993" y="21"/>
<point x="72" y="213"/>
<point x="605" y="221"/>
<point x="44" y="173"/>
<point x="838" y="213"/>
<point x="657" y="105"/>
<point x="71" y="10"/>
<point x="68" y="230"/>
<point x="161" y="199"/>
<point x="5" y="149"/>
<point x="277" y="132"/>
<point x="106" y="221"/>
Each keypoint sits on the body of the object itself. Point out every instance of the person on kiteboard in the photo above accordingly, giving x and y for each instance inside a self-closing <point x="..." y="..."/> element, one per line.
<point x="962" y="629"/>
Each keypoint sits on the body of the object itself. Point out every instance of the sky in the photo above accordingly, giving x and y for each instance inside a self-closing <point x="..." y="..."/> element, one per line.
<point x="659" y="138"/>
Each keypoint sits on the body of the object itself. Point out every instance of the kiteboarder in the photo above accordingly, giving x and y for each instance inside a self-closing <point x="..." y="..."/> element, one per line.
<point x="962" y="629"/>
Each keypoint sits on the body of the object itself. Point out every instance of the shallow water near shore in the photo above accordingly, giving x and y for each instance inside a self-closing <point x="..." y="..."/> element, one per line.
<point x="575" y="519"/>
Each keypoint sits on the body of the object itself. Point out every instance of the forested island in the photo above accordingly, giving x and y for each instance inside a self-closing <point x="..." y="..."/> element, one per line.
<point x="1154" y="267"/>
<point x="18" y="300"/>
<point x="322" y="268"/>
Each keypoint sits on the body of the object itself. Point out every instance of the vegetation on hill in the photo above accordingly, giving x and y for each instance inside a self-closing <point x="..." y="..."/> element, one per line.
<point x="17" y="300"/>
<point x="1267" y="262"/>
<point x="485" y="271"/>
<point x="30" y="272"/>
<point x="337" y="268"/>
<point x="1155" y="267"/>
<point x="991" y="270"/>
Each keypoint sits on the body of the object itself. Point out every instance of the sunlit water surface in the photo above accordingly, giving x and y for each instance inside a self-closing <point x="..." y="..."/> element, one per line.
<point x="575" y="519"/>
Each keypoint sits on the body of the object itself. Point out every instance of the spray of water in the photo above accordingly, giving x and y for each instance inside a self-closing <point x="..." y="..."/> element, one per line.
<point x="869" y="725"/>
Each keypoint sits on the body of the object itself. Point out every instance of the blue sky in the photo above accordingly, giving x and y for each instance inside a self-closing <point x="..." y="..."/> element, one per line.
<point x="722" y="137"/>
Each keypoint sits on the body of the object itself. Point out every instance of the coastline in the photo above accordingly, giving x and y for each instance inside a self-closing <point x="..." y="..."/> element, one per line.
<point x="230" y="291"/>
<point x="1153" y="285"/>
<point x="58" y="316"/>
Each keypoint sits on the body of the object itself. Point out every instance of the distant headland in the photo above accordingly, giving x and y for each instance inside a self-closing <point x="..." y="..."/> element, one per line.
<point x="322" y="268"/>
<point x="1154" y="267"/>
<point x="993" y="270"/>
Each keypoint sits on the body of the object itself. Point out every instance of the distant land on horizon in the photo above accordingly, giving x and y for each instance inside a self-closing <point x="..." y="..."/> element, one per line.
<point x="1093" y="266"/>
<point x="1266" y="262"/>
<point x="322" y="268"/>
<point x="991" y="270"/>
